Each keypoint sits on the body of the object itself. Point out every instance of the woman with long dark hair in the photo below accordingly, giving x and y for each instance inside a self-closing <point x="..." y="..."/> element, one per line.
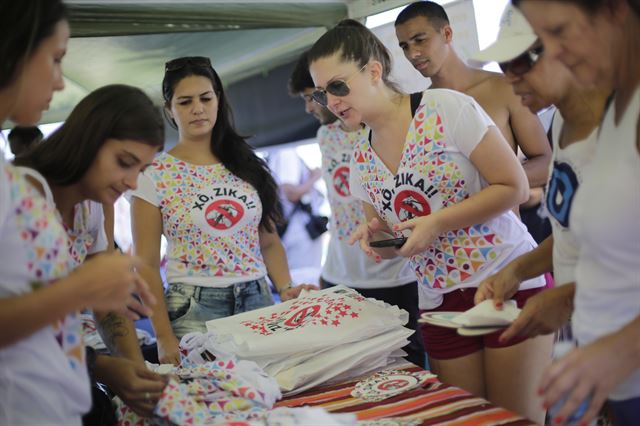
<point x="83" y="168"/>
<point x="216" y="203"/>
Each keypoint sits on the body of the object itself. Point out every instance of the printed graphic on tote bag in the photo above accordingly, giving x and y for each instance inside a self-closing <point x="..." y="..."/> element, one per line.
<point x="323" y="311"/>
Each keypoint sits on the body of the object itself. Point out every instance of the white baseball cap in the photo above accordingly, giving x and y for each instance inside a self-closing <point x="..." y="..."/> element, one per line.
<point x="514" y="38"/>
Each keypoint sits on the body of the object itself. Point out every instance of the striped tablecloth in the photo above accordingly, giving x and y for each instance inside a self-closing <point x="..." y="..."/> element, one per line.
<point x="434" y="404"/>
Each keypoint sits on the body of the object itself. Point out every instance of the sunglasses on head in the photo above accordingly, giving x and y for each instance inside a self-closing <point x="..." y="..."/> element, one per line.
<point x="336" y="88"/>
<point x="195" y="61"/>
<point x="523" y="63"/>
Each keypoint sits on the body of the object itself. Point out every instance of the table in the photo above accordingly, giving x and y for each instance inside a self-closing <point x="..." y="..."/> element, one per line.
<point x="436" y="404"/>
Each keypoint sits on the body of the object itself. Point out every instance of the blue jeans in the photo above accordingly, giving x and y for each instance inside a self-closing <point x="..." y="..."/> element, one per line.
<point x="625" y="412"/>
<point x="190" y="306"/>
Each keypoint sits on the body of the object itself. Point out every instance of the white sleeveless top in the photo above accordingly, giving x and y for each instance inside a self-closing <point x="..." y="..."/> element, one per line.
<point x="605" y="219"/>
<point x="566" y="173"/>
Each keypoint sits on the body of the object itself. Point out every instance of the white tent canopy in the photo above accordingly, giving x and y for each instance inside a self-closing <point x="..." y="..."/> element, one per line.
<point x="128" y="41"/>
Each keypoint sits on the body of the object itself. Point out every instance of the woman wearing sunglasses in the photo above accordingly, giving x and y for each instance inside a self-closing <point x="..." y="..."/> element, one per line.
<point x="437" y="171"/>
<point x="215" y="201"/>
<point x="598" y="41"/>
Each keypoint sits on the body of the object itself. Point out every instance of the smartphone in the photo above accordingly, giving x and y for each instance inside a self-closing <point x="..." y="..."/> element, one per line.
<point x="391" y="242"/>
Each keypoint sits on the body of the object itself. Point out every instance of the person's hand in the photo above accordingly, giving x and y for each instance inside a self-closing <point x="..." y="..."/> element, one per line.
<point x="592" y="370"/>
<point x="363" y="234"/>
<point x="137" y="386"/>
<point x="535" y="197"/>
<point x="543" y="313"/>
<point x="424" y="231"/>
<point x="110" y="282"/>
<point x="293" y="292"/>
<point x="168" y="350"/>
<point x="315" y="174"/>
<point x="500" y="286"/>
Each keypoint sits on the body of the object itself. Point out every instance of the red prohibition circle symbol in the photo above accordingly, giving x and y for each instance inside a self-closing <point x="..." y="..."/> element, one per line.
<point x="341" y="181"/>
<point x="296" y="319"/>
<point x="409" y="204"/>
<point x="393" y="384"/>
<point x="223" y="214"/>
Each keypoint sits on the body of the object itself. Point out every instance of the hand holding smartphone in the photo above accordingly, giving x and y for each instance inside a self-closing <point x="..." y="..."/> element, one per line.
<point x="391" y="242"/>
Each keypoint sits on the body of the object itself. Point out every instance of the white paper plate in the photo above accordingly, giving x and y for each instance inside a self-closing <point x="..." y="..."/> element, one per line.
<point x="477" y="331"/>
<point x="440" y="319"/>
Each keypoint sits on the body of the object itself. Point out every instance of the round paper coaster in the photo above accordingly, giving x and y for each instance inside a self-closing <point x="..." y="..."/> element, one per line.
<point x="389" y="383"/>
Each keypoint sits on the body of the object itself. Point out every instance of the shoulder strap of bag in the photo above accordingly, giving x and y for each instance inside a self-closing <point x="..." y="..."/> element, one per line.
<point x="415" y="102"/>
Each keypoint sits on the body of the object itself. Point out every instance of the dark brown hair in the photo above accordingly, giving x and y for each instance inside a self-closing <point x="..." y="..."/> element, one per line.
<point x="300" y="79"/>
<point x="435" y="13"/>
<point x="356" y="43"/>
<point x="111" y="112"/>
<point x="25" y="24"/>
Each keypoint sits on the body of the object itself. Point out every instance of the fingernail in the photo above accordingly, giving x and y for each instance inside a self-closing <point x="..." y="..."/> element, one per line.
<point x="545" y="404"/>
<point x="499" y="305"/>
<point x="541" y="392"/>
<point x="558" y="420"/>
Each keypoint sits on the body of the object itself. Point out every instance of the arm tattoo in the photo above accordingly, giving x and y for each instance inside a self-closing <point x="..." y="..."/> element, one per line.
<point x="111" y="327"/>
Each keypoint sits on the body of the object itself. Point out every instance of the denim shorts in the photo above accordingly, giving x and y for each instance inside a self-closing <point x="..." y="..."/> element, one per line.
<point x="190" y="306"/>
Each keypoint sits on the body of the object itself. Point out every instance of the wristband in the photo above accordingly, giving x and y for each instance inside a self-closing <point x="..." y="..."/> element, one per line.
<point x="286" y="287"/>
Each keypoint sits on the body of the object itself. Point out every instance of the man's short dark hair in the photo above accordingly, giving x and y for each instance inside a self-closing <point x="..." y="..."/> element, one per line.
<point x="300" y="79"/>
<point x="435" y="13"/>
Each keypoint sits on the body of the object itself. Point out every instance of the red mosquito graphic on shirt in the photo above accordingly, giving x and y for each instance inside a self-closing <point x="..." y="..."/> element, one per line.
<point x="223" y="214"/>
<point x="341" y="181"/>
<point x="409" y="204"/>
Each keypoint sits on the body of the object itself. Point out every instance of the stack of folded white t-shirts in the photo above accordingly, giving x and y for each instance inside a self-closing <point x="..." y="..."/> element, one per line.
<point x="322" y="336"/>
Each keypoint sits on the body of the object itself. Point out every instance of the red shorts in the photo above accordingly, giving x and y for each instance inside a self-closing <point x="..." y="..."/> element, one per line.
<point x="446" y="343"/>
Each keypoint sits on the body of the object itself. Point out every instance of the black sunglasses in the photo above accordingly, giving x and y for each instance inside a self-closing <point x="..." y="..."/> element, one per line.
<point x="335" y="87"/>
<point x="195" y="61"/>
<point x="523" y="63"/>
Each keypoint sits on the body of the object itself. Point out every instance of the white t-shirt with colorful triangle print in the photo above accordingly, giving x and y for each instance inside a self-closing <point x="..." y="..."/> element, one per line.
<point x="210" y="218"/>
<point x="347" y="264"/>
<point x="43" y="376"/>
<point x="435" y="172"/>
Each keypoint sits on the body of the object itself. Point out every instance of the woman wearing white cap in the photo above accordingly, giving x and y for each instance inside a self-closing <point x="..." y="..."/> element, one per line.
<point x="542" y="81"/>
<point x="598" y="41"/>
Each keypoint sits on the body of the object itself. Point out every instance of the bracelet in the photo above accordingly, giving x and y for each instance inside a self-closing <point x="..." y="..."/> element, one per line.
<point x="286" y="287"/>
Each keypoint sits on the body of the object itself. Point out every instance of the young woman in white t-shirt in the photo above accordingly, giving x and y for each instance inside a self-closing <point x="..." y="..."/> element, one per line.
<point x="83" y="168"/>
<point x="43" y="375"/>
<point x="445" y="178"/>
<point x="216" y="203"/>
<point x="598" y="41"/>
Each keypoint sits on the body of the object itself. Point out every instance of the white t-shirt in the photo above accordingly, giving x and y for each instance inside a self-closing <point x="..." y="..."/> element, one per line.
<point x="605" y="219"/>
<point x="87" y="236"/>
<point x="210" y="218"/>
<point x="565" y="176"/>
<point x="43" y="377"/>
<point x="346" y="264"/>
<point x="435" y="172"/>
<point x="302" y="252"/>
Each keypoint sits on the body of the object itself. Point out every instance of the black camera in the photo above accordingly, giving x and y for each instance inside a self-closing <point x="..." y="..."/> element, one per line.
<point x="316" y="226"/>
